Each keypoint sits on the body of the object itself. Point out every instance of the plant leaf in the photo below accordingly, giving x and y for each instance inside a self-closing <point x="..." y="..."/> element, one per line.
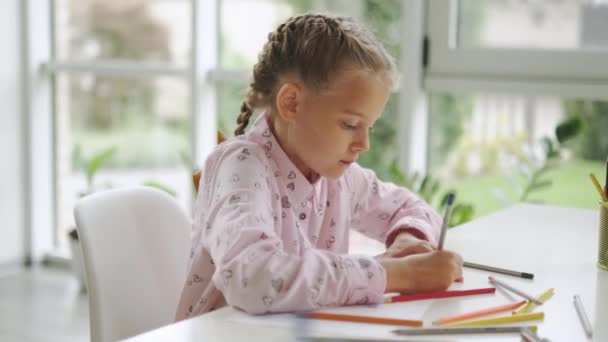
<point x="98" y="160"/>
<point x="568" y="129"/>
<point x="547" y="146"/>
<point x="539" y="185"/>
<point x="396" y="175"/>
<point x="162" y="187"/>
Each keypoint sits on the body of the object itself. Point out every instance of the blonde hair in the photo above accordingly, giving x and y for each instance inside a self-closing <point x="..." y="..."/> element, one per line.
<point x="311" y="46"/>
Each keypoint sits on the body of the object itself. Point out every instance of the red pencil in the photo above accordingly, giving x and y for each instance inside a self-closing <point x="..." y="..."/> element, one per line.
<point x="441" y="294"/>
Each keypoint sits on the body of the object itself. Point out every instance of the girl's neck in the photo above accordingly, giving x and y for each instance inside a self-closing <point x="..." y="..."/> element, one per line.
<point x="279" y="130"/>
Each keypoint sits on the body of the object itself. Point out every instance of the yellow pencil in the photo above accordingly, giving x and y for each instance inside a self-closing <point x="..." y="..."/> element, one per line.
<point x="529" y="306"/>
<point x="598" y="187"/>
<point x="500" y="320"/>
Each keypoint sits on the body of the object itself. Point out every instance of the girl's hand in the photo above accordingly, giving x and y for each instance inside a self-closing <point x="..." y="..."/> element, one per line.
<point x="427" y="272"/>
<point x="407" y="244"/>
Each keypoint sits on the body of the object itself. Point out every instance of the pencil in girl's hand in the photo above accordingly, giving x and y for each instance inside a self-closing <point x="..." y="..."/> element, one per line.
<point x="446" y="219"/>
<point x="598" y="187"/>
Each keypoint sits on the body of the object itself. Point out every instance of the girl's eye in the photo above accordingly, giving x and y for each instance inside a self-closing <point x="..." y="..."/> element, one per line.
<point x="346" y="125"/>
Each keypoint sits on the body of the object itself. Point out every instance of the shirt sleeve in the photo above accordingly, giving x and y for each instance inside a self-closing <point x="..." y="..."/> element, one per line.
<point x="252" y="269"/>
<point x="381" y="210"/>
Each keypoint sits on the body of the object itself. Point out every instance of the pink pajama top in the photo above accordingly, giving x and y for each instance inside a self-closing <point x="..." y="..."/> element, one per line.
<point x="265" y="239"/>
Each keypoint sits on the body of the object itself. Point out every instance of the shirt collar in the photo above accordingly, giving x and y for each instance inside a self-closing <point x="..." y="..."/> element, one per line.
<point x="295" y="185"/>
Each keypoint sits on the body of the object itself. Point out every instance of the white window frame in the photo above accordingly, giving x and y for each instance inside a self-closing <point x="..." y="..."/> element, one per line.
<point x="579" y="73"/>
<point x="38" y="130"/>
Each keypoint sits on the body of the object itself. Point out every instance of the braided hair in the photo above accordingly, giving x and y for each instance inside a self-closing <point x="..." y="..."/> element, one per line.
<point x="311" y="46"/>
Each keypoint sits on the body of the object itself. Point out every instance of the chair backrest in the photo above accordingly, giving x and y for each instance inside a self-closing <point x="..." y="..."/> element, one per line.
<point x="135" y="244"/>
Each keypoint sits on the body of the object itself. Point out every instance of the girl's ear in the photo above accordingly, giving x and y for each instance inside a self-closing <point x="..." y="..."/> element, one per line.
<point x="287" y="100"/>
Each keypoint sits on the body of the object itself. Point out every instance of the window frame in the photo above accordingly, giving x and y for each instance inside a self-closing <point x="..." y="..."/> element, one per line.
<point x="577" y="73"/>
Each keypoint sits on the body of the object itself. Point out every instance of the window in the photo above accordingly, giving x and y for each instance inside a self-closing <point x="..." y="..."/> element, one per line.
<point x="489" y="146"/>
<point x="543" y="43"/>
<point x="501" y="76"/>
<point x="560" y="25"/>
<point x="154" y="31"/>
<point x="121" y="89"/>
<point x="145" y="122"/>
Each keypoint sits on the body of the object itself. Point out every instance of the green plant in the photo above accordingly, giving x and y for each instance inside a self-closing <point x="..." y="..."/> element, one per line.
<point x="428" y="188"/>
<point x="91" y="165"/>
<point x="530" y="170"/>
<point x="160" y="186"/>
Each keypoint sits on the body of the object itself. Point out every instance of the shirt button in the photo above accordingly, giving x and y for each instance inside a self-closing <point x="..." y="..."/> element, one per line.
<point x="302" y="216"/>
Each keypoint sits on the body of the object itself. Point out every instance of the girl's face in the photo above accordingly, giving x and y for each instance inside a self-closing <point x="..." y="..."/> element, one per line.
<point x="330" y="127"/>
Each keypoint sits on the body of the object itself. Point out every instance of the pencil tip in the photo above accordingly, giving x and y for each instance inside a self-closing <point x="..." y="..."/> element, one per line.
<point x="451" y="198"/>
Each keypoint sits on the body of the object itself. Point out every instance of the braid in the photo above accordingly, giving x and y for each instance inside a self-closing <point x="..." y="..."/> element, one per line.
<point x="311" y="46"/>
<point x="243" y="119"/>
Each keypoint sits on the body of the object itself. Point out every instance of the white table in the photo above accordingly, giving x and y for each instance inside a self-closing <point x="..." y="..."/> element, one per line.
<point x="558" y="245"/>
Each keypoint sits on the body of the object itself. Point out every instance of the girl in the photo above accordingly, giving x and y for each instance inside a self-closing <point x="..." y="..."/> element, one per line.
<point x="276" y="203"/>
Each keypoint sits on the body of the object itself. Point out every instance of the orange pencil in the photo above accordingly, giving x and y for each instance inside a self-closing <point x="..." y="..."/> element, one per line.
<point x="479" y="313"/>
<point x="364" y="319"/>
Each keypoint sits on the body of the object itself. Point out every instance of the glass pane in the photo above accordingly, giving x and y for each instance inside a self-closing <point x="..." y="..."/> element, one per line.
<point x="135" y="131"/>
<point x="142" y="30"/>
<point x="242" y="39"/>
<point x="231" y="94"/>
<point x="533" y="24"/>
<point x="498" y="149"/>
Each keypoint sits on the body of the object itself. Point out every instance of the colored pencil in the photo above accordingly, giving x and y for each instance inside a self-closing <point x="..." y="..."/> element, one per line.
<point x="578" y="305"/>
<point x="598" y="187"/>
<point x="441" y="294"/>
<point x="363" y="319"/>
<point x="530" y="306"/>
<point x="478" y="313"/>
<point x="501" y="320"/>
<point x="498" y="270"/>
<point x="446" y="220"/>
<point x="520" y="293"/>
<point x="467" y="330"/>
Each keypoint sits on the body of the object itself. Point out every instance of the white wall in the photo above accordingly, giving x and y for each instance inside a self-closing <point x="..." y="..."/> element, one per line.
<point x="11" y="146"/>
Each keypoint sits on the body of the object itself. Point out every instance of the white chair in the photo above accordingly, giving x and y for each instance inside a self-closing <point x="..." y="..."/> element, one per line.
<point x="135" y="244"/>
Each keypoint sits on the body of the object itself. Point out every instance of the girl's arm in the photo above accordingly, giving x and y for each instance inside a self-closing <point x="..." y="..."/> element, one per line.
<point x="383" y="210"/>
<point x="252" y="270"/>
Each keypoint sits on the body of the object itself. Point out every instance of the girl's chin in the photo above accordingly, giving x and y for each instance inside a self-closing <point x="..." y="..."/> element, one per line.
<point x="336" y="172"/>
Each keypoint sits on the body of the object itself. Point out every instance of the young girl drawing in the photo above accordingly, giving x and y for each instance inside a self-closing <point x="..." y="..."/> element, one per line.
<point x="276" y="203"/>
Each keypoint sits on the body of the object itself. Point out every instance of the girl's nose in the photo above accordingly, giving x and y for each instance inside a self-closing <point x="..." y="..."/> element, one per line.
<point x="361" y="144"/>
